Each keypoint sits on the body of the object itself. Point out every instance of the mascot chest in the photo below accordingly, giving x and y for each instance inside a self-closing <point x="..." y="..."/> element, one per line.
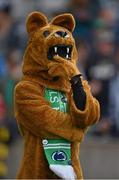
<point x="57" y="99"/>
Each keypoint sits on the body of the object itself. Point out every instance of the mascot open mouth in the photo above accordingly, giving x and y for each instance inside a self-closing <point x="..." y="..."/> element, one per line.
<point x="63" y="51"/>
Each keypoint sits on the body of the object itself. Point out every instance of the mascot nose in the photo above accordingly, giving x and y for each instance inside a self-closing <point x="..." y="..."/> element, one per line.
<point x="61" y="33"/>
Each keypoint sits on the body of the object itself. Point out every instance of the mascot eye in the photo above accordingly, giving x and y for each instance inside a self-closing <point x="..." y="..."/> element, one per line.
<point x="66" y="35"/>
<point x="46" y="33"/>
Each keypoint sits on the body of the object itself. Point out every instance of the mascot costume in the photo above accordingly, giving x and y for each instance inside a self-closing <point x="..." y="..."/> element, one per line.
<point x="53" y="104"/>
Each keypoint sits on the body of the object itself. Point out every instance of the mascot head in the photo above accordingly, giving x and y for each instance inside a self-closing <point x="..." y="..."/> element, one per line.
<point x="49" y="44"/>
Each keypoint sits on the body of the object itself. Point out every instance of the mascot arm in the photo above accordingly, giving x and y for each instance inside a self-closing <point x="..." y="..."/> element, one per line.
<point x="34" y="112"/>
<point x="90" y="112"/>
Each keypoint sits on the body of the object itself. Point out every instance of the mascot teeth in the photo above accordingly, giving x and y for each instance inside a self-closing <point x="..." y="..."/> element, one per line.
<point x="67" y="56"/>
<point x="55" y="49"/>
<point x="67" y="50"/>
<point x="61" y="50"/>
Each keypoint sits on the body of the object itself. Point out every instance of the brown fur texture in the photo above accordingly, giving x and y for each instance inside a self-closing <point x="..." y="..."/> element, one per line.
<point x="36" y="119"/>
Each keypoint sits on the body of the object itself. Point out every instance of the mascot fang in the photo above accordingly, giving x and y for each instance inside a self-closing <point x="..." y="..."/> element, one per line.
<point x="53" y="103"/>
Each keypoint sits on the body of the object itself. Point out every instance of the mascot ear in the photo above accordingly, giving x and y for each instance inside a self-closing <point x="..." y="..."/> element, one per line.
<point x="35" y="21"/>
<point x="65" y="20"/>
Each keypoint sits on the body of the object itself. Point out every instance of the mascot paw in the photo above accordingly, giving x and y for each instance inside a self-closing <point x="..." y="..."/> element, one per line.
<point x="62" y="68"/>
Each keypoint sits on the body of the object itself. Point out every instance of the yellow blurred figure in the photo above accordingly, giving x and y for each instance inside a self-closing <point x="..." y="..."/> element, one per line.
<point x="3" y="152"/>
<point x="3" y="169"/>
<point x="4" y="134"/>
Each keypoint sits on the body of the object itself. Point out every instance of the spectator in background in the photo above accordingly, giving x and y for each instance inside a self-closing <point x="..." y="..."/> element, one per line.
<point x="9" y="38"/>
<point x="84" y="13"/>
<point x="5" y="22"/>
<point x="14" y="74"/>
<point x="114" y="98"/>
<point x="9" y="46"/>
<point x="100" y="69"/>
<point x="83" y="50"/>
<point x="12" y="42"/>
<point x="8" y="29"/>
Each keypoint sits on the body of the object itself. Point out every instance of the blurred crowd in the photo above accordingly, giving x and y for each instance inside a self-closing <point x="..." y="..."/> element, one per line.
<point x="97" y="40"/>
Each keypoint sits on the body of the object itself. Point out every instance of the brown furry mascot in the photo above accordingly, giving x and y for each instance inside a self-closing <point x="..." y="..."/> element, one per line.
<point x="53" y="104"/>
